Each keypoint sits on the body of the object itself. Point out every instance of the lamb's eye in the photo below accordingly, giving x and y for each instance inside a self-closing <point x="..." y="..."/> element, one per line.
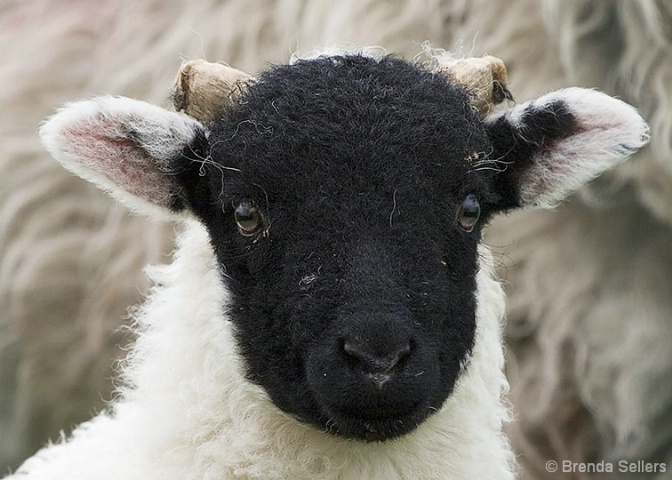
<point x="248" y="218"/>
<point x="467" y="215"/>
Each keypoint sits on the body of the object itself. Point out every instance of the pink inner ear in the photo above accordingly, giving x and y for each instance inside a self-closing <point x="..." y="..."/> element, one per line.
<point x="553" y="167"/>
<point x="106" y="152"/>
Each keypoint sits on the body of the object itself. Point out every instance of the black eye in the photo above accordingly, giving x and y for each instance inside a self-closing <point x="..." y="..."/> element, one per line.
<point x="467" y="215"/>
<point x="248" y="218"/>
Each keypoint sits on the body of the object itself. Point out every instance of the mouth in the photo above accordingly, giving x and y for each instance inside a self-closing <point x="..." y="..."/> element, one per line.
<point x="379" y="427"/>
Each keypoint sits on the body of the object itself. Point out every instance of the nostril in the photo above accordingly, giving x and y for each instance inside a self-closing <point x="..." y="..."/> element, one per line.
<point x="354" y="352"/>
<point x="375" y="361"/>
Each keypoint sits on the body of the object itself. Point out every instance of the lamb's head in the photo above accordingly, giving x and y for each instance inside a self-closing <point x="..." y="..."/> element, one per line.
<point x="345" y="199"/>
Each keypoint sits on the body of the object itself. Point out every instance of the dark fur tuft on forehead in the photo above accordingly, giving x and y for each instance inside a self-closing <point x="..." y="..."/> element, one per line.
<point x="359" y="113"/>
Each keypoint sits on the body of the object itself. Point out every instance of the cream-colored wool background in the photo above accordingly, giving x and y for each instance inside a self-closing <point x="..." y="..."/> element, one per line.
<point x="590" y="301"/>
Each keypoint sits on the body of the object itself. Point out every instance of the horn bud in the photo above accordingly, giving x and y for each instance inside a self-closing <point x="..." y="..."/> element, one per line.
<point x="205" y="91"/>
<point x="485" y="78"/>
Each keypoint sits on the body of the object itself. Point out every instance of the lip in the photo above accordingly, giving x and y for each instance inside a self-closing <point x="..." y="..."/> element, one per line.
<point x="378" y="428"/>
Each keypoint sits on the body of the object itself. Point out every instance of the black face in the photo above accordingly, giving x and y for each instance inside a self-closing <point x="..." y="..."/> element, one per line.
<point x="344" y="210"/>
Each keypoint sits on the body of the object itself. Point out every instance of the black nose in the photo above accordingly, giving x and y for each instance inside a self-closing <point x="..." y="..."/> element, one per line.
<point x="375" y="361"/>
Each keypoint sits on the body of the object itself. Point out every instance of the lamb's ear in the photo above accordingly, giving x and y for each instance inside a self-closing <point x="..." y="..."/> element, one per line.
<point x="135" y="151"/>
<point x="550" y="147"/>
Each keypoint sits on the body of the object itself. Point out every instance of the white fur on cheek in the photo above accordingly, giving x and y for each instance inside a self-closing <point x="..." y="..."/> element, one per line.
<point x="608" y="131"/>
<point x="122" y="145"/>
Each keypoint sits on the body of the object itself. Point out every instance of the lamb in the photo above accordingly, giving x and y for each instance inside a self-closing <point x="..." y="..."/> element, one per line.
<point x="65" y="246"/>
<point x="330" y="311"/>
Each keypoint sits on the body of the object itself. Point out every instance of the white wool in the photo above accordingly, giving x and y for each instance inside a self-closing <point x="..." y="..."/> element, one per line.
<point x="188" y="412"/>
<point x="374" y="52"/>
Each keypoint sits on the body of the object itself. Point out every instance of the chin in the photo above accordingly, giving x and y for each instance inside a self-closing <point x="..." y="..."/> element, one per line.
<point x="376" y="428"/>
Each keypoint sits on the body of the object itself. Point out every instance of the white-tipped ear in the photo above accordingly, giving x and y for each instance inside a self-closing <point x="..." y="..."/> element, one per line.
<point x="552" y="146"/>
<point x="126" y="147"/>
